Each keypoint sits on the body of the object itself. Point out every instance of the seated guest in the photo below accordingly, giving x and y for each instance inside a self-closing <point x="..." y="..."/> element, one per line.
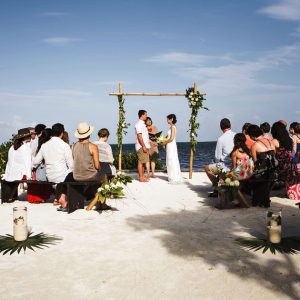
<point x="265" y="128"/>
<point x="295" y="134"/>
<point x="57" y="156"/>
<point x="105" y="153"/>
<point x="35" y="141"/>
<point x="242" y="162"/>
<point x="249" y="142"/>
<point x="18" y="165"/>
<point x="287" y="168"/>
<point x="222" y="154"/>
<point x="263" y="154"/>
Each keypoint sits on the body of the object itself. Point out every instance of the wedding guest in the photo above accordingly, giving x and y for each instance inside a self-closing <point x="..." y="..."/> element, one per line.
<point x="263" y="154"/>
<point x="35" y="138"/>
<point x="153" y="152"/>
<point x="57" y="156"/>
<point x="249" y="142"/>
<point x="105" y="153"/>
<point x="265" y="128"/>
<point x="242" y="162"/>
<point x="18" y="165"/>
<point x="65" y="137"/>
<point x="283" y="122"/>
<point x="142" y="144"/>
<point x="295" y="134"/>
<point x="222" y="154"/>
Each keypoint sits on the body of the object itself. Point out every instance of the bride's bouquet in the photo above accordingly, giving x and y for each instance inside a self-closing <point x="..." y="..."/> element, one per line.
<point x="161" y="139"/>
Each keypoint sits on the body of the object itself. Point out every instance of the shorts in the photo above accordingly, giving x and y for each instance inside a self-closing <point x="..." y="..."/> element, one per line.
<point x="142" y="156"/>
<point x="153" y="154"/>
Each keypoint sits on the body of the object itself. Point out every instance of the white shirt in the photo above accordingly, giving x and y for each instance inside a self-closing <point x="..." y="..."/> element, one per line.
<point x="140" y="127"/>
<point x="19" y="163"/>
<point x="224" y="147"/>
<point x="33" y="146"/>
<point x="105" y="152"/>
<point x="58" y="159"/>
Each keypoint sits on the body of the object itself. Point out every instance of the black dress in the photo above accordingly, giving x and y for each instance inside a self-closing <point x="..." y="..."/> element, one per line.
<point x="263" y="178"/>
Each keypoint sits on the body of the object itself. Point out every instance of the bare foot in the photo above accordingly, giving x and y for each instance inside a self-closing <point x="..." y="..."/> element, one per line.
<point x="144" y="179"/>
<point x="55" y="202"/>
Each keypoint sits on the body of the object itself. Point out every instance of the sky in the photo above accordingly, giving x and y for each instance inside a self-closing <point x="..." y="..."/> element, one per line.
<point x="60" y="59"/>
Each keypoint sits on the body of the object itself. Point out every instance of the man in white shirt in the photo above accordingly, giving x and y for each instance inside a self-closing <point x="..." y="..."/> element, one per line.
<point x="57" y="156"/>
<point x="142" y="144"/>
<point x="224" y="148"/>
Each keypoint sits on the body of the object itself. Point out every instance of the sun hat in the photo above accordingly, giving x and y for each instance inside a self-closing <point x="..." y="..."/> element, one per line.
<point x="83" y="130"/>
<point x="23" y="132"/>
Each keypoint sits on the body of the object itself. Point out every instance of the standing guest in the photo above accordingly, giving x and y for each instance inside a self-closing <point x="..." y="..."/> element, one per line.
<point x="65" y="137"/>
<point x="142" y="144"/>
<point x="57" y="156"/>
<point x="295" y="134"/>
<point x="249" y="142"/>
<point x="222" y="154"/>
<point x="105" y="153"/>
<point x="18" y="165"/>
<point x="265" y="128"/>
<point x="263" y="154"/>
<point x="35" y="138"/>
<point x="153" y="152"/>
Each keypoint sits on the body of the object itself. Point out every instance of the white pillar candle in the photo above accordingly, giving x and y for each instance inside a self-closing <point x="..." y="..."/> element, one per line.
<point x="274" y="234"/>
<point x="20" y="223"/>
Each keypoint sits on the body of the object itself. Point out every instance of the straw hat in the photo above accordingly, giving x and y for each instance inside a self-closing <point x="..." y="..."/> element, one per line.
<point x="83" y="130"/>
<point x="23" y="132"/>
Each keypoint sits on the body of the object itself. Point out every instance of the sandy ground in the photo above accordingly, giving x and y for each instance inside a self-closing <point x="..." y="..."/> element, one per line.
<point x="162" y="241"/>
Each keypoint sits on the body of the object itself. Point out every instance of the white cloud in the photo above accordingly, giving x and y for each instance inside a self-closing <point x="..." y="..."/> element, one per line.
<point x="61" y="41"/>
<point x="184" y="58"/>
<point x="54" y="14"/>
<point x="288" y="10"/>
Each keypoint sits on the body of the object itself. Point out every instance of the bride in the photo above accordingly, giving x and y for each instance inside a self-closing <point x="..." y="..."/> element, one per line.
<point x="173" y="166"/>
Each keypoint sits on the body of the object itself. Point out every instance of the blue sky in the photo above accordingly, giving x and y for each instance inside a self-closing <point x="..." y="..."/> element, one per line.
<point x="60" y="59"/>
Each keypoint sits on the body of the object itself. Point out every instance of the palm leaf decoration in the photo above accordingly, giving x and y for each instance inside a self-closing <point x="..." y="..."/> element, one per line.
<point x="40" y="241"/>
<point x="288" y="245"/>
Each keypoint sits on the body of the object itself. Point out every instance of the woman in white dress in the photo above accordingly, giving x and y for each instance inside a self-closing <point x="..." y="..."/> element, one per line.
<point x="173" y="166"/>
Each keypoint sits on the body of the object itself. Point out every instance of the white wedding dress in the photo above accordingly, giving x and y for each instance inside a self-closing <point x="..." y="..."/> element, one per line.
<point x="173" y="166"/>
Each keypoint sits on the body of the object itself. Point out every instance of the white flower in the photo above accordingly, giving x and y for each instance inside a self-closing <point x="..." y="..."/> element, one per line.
<point x="100" y="189"/>
<point x="191" y="93"/>
<point x="231" y="183"/>
<point x="192" y="134"/>
<point x="193" y="103"/>
<point x="227" y="180"/>
<point x="224" y="171"/>
<point x="190" y="96"/>
<point x="106" y="186"/>
<point x="236" y="183"/>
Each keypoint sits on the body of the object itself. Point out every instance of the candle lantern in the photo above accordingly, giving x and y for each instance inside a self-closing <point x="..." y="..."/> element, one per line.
<point x="274" y="217"/>
<point x="20" y="223"/>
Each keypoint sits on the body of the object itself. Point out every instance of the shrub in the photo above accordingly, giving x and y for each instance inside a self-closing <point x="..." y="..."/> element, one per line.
<point x="4" y="155"/>
<point x="130" y="161"/>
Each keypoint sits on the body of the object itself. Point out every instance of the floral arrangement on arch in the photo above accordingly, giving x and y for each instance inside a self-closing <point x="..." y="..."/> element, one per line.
<point x="113" y="188"/>
<point x="122" y="125"/>
<point x="195" y="100"/>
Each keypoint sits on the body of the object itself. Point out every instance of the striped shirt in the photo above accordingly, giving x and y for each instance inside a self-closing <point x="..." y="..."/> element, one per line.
<point x="105" y="152"/>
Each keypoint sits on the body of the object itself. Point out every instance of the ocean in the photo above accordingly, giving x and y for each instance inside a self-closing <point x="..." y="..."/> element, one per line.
<point x="205" y="152"/>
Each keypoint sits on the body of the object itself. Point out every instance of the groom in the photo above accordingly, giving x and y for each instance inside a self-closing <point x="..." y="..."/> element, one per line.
<point x="142" y="145"/>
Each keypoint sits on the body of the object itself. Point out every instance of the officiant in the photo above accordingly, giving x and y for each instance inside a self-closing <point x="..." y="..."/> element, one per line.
<point x="153" y="152"/>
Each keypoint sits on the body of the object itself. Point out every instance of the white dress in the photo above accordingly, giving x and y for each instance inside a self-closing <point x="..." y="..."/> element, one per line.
<point x="173" y="166"/>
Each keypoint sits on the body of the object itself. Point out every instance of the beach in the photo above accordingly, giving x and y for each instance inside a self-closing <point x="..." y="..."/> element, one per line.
<point x="161" y="241"/>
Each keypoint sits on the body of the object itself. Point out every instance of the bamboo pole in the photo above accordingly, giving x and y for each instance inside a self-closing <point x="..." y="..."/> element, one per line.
<point x="121" y="145"/>
<point x="191" y="149"/>
<point x="93" y="202"/>
<point x="148" y="94"/>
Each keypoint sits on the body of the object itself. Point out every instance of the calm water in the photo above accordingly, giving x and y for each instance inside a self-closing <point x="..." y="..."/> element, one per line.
<point x="204" y="154"/>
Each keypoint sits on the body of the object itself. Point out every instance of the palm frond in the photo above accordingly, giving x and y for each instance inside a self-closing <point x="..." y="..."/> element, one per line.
<point x="40" y="241"/>
<point x="288" y="245"/>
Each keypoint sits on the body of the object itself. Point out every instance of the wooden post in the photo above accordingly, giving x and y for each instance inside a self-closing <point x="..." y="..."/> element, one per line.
<point x="121" y="146"/>
<point x="191" y="149"/>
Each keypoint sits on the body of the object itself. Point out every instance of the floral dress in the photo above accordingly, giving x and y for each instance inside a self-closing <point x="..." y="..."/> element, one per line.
<point x="244" y="168"/>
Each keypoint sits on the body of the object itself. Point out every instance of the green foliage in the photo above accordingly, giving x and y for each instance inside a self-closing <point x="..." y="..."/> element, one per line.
<point x="122" y="125"/>
<point x="40" y="241"/>
<point x="110" y="189"/>
<point x="195" y="103"/>
<point x="130" y="161"/>
<point x="288" y="245"/>
<point x="122" y="178"/>
<point x="4" y="155"/>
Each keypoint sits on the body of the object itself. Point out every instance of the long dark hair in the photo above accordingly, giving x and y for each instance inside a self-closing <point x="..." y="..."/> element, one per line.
<point x="44" y="137"/>
<point x="18" y="143"/>
<point x="240" y="143"/>
<point x="280" y="133"/>
<point x="173" y="117"/>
